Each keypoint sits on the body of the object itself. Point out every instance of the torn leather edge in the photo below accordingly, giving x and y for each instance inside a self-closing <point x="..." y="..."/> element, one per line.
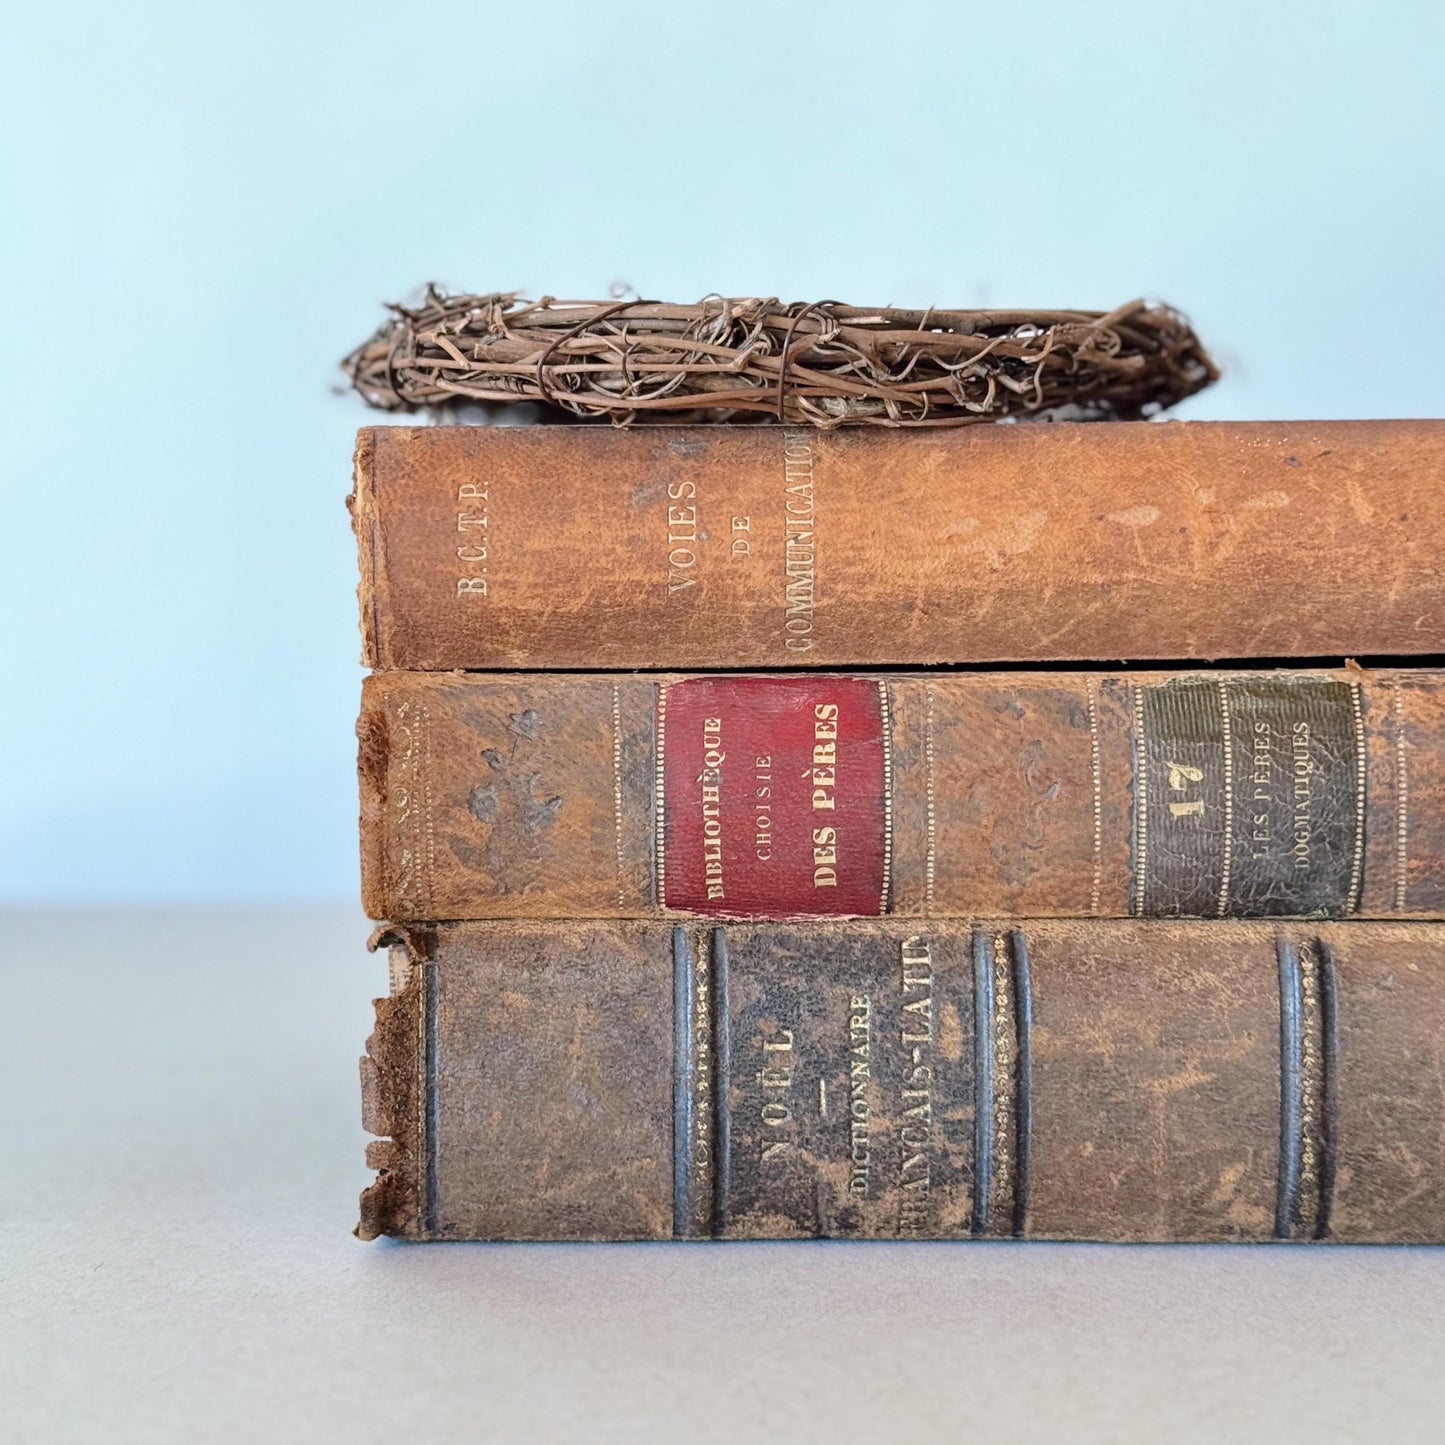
<point x="373" y="771"/>
<point x="392" y="1093"/>
<point x="361" y="503"/>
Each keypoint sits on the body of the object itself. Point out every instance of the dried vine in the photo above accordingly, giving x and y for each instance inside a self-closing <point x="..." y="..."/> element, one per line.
<point x="758" y="360"/>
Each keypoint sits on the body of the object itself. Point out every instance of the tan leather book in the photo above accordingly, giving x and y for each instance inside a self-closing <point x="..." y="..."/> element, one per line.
<point x="1045" y="1080"/>
<point x="1052" y="794"/>
<point x="766" y="546"/>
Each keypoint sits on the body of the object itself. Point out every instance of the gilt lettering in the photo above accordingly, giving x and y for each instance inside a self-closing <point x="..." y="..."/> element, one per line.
<point x="474" y="523"/>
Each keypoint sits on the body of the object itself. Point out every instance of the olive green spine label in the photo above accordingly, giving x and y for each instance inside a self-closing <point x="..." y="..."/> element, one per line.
<point x="1248" y="798"/>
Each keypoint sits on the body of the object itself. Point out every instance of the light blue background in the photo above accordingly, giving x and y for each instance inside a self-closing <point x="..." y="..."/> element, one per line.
<point x="205" y="205"/>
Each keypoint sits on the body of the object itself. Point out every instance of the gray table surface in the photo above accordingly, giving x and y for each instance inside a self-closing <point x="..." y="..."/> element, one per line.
<point x="181" y="1156"/>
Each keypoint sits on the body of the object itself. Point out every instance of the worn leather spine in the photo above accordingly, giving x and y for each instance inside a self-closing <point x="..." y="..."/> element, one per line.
<point x="749" y="546"/>
<point x="1062" y="794"/>
<point x="1109" y="1080"/>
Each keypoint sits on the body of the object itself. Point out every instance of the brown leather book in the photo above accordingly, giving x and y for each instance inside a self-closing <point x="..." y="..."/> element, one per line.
<point x="1215" y="795"/>
<point x="1055" y="1080"/>
<point x="755" y="546"/>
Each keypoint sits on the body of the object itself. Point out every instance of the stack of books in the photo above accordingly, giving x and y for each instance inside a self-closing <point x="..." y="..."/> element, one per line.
<point x="767" y="847"/>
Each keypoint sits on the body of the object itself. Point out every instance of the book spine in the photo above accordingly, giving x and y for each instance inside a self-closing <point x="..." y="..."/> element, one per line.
<point x="737" y="546"/>
<point x="1219" y="795"/>
<point x="1093" y="1080"/>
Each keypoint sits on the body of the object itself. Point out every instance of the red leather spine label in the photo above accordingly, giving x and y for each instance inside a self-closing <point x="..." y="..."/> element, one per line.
<point x="773" y="797"/>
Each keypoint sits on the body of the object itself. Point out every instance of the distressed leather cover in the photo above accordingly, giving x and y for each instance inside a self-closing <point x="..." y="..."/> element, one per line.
<point x="702" y="547"/>
<point x="1000" y="794"/>
<point x="1111" y="1080"/>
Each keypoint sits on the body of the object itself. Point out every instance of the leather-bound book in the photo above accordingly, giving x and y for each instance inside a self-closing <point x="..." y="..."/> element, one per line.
<point x="1109" y="1080"/>
<point x="1053" y="794"/>
<point x="767" y="546"/>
